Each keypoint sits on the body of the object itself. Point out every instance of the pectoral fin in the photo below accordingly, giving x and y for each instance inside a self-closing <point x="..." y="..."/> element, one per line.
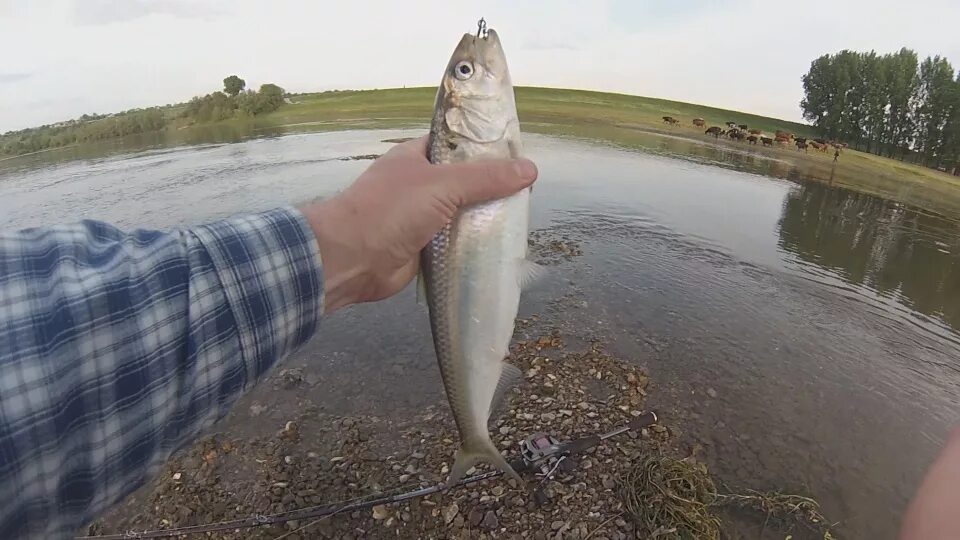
<point x="509" y="378"/>
<point x="421" y="289"/>
<point x="529" y="272"/>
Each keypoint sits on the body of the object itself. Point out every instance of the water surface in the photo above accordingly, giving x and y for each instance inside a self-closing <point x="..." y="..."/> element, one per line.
<point x="804" y="335"/>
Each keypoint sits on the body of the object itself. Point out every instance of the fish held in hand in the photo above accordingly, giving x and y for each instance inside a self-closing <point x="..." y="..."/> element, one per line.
<point x="473" y="269"/>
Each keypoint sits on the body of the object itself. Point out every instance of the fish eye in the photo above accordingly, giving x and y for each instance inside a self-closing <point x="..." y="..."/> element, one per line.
<point x="463" y="70"/>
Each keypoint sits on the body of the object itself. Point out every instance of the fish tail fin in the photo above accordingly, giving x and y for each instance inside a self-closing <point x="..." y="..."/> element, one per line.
<point x="472" y="453"/>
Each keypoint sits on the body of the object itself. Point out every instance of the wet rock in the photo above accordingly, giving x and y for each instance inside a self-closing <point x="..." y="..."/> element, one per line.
<point x="290" y="378"/>
<point x="257" y="409"/>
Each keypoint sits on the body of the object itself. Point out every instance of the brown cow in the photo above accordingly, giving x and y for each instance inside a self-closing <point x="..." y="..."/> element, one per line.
<point x="670" y="120"/>
<point x="753" y="139"/>
<point x="715" y="131"/>
<point x="767" y="141"/>
<point x="699" y="122"/>
<point x="801" y="145"/>
<point x="782" y="140"/>
<point x="784" y="135"/>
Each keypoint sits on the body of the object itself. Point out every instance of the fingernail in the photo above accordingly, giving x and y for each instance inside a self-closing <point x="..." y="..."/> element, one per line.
<point x="525" y="169"/>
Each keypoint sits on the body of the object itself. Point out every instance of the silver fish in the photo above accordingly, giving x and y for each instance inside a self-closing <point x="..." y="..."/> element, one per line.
<point x="474" y="268"/>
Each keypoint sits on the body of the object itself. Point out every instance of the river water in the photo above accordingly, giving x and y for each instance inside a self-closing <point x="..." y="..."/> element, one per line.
<point x="804" y="335"/>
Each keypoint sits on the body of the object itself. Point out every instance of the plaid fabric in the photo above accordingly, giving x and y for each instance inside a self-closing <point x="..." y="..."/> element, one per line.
<point x="117" y="349"/>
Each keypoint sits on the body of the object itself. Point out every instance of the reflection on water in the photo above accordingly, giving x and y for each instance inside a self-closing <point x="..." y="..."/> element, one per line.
<point x="900" y="252"/>
<point x="804" y="335"/>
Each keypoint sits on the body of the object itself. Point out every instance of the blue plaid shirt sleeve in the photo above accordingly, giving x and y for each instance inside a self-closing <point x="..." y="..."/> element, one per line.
<point x="116" y="349"/>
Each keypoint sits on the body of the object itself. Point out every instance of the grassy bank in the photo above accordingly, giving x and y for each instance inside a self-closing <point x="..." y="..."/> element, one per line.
<point x="623" y="119"/>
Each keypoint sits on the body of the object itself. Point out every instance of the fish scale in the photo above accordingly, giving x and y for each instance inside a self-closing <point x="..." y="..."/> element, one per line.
<point x="473" y="269"/>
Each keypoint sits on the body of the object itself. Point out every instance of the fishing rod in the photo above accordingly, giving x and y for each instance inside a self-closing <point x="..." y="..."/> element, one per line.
<point x="540" y="453"/>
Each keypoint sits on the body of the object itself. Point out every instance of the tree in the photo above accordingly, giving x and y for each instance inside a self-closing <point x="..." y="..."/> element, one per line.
<point x="901" y="69"/>
<point x="233" y="85"/>
<point x="876" y="99"/>
<point x="933" y="106"/>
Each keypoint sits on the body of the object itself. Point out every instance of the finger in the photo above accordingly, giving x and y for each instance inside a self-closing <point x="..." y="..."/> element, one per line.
<point x="413" y="146"/>
<point x="479" y="181"/>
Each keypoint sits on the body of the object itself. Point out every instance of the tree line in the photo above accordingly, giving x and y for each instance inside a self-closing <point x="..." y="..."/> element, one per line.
<point x="891" y="104"/>
<point x="233" y="101"/>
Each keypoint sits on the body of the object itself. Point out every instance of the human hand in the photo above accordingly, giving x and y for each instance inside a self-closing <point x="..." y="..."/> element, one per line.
<point x="932" y="513"/>
<point x="371" y="234"/>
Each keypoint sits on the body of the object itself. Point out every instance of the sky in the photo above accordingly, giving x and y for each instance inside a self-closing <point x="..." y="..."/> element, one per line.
<point x="63" y="58"/>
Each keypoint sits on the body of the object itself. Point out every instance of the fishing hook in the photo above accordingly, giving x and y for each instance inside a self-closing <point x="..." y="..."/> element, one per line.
<point x="482" y="28"/>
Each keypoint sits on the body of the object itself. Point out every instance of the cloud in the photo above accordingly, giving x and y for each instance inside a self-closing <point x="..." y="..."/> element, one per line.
<point x="99" y="12"/>
<point x="14" y="77"/>
<point x="109" y="55"/>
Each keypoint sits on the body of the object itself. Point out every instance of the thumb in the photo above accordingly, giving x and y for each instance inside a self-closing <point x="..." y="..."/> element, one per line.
<point x="478" y="181"/>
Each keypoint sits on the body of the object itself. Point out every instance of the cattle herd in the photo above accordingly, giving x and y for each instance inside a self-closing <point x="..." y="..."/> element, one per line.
<point x="740" y="132"/>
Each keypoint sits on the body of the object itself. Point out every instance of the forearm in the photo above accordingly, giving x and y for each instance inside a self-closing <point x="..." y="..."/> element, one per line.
<point x="117" y="349"/>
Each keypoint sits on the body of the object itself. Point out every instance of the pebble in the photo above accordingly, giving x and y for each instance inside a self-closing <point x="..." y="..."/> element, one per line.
<point x="608" y="483"/>
<point x="547" y="417"/>
<point x="556" y="525"/>
<point x="505" y="430"/>
<point x="290" y="431"/>
<point x="490" y="521"/>
<point x="380" y="512"/>
<point x="475" y="516"/>
<point x="404" y="477"/>
<point x="176" y="476"/>
<point x="711" y="392"/>
<point x="450" y="512"/>
<point x="418" y="455"/>
<point x="497" y="491"/>
<point x="288" y="460"/>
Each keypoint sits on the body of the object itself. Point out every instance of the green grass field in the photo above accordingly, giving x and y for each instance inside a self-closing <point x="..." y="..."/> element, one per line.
<point x="621" y="119"/>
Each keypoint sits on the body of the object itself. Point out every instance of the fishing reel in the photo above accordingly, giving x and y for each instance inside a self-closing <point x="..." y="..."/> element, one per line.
<point x="544" y="455"/>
